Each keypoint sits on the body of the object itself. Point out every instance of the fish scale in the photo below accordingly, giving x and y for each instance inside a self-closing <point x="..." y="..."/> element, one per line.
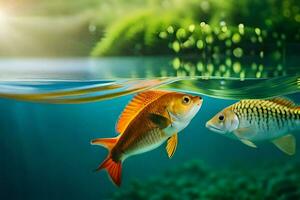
<point x="153" y="137"/>
<point x="260" y="120"/>
<point x="266" y="115"/>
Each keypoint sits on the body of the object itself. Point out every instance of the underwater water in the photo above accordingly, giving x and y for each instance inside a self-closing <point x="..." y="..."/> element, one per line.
<point x="51" y="109"/>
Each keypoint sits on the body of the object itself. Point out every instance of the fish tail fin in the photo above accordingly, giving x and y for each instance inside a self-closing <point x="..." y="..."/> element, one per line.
<point x="113" y="168"/>
<point x="108" y="143"/>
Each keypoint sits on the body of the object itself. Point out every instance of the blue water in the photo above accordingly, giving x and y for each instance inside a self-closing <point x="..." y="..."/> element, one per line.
<point x="46" y="152"/>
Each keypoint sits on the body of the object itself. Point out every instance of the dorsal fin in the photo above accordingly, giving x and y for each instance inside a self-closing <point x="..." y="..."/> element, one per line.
<point x="283" y="101"/>
<point x="135" y="106"/>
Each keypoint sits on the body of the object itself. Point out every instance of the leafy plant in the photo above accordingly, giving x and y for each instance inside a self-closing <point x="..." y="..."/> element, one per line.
<point x="205" y="26"/>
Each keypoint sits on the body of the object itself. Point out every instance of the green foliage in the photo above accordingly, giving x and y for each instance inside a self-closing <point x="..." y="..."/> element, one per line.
<point x="138" y="34"/>
<point x="127" y="37"/>
<point x="219" y="40"/>
<point x="142" y="32"/>
<point x="194" y="180"/>
<point x="174" y="28"/>
<point x="274" y="16"/>
<point x="134" y="27"/>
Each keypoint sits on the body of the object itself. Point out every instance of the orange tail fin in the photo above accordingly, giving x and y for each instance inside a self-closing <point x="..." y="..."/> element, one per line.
<point x="113" y="168"/>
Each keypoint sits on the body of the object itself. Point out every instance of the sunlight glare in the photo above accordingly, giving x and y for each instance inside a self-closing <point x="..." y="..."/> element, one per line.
<point x="3" y="16"/>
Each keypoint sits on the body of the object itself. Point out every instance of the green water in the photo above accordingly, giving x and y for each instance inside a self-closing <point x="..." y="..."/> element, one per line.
<point x="51" y="109"/>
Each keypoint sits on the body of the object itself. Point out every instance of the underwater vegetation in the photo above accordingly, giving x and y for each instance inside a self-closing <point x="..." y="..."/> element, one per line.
<point x="195" y="180"/>
<point x="208" y="28"/>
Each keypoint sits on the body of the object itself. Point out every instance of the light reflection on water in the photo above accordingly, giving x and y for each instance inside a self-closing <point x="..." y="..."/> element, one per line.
<point x="88" y="80"/>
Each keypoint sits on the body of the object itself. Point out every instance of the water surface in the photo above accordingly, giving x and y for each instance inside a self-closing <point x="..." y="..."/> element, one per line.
<point x="51" y="109"/>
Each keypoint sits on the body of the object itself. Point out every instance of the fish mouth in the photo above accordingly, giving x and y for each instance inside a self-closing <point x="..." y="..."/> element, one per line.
<point x="214" y="128"/>
<point x="198" y="100"/>
<point x="199" y="103"/>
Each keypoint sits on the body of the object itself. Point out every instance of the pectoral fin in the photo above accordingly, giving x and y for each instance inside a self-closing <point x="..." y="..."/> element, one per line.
<point x="161" y="121"/>
<point x="248" y="143"/>
<point x="242" y="132"/>
<point x="171" y="145"/>
<point x="287" y="144"/>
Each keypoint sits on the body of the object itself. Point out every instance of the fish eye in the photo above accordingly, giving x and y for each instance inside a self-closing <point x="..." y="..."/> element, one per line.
<point x="221" y="117"/>
<point x="186" y="100"/>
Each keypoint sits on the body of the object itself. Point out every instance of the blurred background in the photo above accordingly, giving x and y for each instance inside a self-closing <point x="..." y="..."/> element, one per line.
<point x="81" y="28"/>
<point x="57" y="53"/>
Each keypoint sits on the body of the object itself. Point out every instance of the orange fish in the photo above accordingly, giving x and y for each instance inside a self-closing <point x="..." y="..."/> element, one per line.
<point x="150" y="119"/>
